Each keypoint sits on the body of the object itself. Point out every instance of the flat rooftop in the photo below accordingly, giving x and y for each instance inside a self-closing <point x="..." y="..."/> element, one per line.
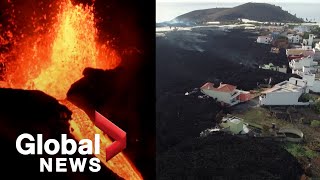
<point x="233" y="119"/>
<point x="285" y="86"/>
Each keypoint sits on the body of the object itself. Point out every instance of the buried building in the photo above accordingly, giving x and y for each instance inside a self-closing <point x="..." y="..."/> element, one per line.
<point x="226" y="94"/>
<point x="234" y="125"/>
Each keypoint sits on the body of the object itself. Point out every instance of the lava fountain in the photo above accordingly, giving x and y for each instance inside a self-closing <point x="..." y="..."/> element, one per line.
<point x="52" y="58"/>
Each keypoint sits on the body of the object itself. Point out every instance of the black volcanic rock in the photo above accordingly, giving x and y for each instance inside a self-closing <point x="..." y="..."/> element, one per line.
<point x="223" y="156"/>
<point x="228" y="58"/>
<point x="253" y="11"/>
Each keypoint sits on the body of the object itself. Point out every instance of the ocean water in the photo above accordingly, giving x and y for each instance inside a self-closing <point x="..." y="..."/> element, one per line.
<point x="166" y="11"/>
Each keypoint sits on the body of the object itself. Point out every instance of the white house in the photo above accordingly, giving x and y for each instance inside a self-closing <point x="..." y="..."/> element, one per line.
<point x="298" y="64"/>
<point x="226" y="94"/>
<point x="317" y="46"/>
<point x="285" y="93"/>
<point x="305" y="50"/>
<point x="264" y="40"/>
<point x="295" y="39"/>
<point x="313" y="82"/>
<point x="308" y="70"/>
<point x="309" y="41"/>
<point x="234" y="125"/>
<point x="317" y="51"/>
<point x="307" y="47"/>
<point x="315" y="86"/>
<point x="311" y="75"/>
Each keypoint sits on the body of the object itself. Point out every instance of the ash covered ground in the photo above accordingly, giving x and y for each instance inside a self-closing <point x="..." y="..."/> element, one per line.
<point x="186" y="60"/>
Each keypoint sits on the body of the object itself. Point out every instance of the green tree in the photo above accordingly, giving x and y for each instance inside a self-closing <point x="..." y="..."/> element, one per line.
<point x="306" y="35"/>
<point x="316" y="31"/>
<point x="315" y="123"/>
<point x="317" y="107"/>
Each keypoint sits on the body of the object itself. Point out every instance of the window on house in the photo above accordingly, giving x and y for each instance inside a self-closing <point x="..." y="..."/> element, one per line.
<point x="232" y="94"/>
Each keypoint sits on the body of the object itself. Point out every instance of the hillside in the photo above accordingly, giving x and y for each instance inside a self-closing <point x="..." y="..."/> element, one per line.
<point x="186" y="60"/>
<point x="253" y="11"/>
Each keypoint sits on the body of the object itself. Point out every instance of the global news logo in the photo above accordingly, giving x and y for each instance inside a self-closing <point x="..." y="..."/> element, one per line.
<point x="36" y="146"/>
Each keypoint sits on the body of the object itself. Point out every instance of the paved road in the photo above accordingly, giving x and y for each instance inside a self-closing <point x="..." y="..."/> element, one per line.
<point x="246" y="105"/>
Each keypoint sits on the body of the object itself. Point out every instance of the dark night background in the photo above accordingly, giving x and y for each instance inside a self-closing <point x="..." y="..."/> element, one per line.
<point x="124" y="95"/>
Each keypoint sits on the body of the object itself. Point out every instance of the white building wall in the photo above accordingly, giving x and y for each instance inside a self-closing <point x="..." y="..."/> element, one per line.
<point x="306" y="47"/>
<point x="310" y="78"/>
<point x="308" y="61"/>
<point x="297" y="39"/>
<point x="310" y="40"/>
<point x="282" y="69"/>
<point x="315" y="87"/>
<point x="221" y="96"/>
<point x="317" y="46"/>
<point x="306" y="69"/>
<point x="282" y="99"/>
<point x="296" y="81"/>
<point x="305" y="42"/>
<point x="264" y="40"/>
<point x="294" y="38"/>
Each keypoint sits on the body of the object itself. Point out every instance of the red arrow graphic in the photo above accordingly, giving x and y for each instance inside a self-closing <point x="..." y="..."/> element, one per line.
<point x="119" y="136"/>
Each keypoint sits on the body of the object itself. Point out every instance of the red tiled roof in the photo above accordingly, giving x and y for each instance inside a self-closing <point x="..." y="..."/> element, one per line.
<point x="221" y="88"/>
<point x="290" y="57"/>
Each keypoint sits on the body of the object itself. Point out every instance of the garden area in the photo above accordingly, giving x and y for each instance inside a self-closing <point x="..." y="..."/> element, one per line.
<point x="305" y="119"/>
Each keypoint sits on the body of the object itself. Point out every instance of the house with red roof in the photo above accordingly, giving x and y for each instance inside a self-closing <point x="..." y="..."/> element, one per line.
<point x="226" y="94"/>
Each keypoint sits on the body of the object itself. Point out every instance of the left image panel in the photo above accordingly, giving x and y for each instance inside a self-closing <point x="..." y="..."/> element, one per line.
<point x="77" y="89"/>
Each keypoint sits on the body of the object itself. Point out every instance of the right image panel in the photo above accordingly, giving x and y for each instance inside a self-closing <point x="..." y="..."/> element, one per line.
<point x="238" y="89"/>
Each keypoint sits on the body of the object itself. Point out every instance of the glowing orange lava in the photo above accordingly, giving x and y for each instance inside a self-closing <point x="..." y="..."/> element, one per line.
<point x="81" y="127"/>
<point x="54" y="60"/>
<point x="74" y="48"/>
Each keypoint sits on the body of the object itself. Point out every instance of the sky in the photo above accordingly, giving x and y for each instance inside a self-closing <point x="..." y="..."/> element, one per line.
<point x="167" y="10"/>
<point x="238" y="1"/>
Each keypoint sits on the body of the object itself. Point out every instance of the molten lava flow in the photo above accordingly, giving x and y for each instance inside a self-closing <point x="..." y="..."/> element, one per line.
<point x="52" y="61"/>
<point x="74" y="48"/>
<point x="82" y="127"/>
